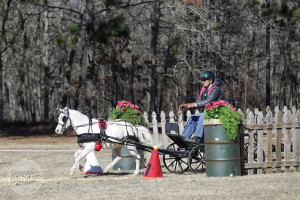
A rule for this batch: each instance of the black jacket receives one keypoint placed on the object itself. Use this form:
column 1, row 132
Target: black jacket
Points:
column 215, row 95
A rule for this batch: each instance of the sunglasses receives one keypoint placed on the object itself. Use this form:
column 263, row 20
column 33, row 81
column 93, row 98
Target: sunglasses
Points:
column 204, row 79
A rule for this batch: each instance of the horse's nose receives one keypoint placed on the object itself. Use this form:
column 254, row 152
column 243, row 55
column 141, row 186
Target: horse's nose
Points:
column 57, row 130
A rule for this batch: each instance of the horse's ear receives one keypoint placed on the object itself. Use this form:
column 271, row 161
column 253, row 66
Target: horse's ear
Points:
column 67, row 111
column 61, row 110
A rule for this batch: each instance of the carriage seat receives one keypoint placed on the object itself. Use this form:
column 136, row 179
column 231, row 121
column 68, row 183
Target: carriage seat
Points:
column 172, row 126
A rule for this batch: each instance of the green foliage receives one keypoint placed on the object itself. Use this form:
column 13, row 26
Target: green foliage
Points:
column 131, row 116
column 296, row 15
column 175, row 48
column 73, row 41
column 231, row 120
column 253, row 5
column 30, row 1
column 74, row 29
column 109, row 3
column 7, row 34
column 115, row 114
column 103, row 31
column 126, row 111
column 266, row 12
column 15, row 40
column 61, row 40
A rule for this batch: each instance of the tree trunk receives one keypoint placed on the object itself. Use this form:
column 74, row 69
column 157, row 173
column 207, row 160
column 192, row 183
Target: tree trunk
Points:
column 89, row 60
column 4, row 20
column 132, row 79
column 45, row 65
column 1, row 90
column 268, row 56
column 154, row 41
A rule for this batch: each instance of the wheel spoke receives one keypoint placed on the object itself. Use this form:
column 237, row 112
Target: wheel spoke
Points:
column 183, row 165
column 175, row 167
column 196, row 160
column 170, row 158
column 175, row 163
column 171, row 163
column 185, row 162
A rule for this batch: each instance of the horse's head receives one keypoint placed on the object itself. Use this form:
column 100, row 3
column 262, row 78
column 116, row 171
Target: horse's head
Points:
column 63, row 121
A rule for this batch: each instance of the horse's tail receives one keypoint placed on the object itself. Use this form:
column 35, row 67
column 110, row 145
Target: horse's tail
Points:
column 145, row 136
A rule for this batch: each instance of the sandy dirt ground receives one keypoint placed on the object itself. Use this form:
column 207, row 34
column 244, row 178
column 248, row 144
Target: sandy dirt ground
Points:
column 45, row 175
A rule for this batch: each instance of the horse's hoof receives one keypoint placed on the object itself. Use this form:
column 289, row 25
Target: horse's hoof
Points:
column 72, row 172
column 81, row 168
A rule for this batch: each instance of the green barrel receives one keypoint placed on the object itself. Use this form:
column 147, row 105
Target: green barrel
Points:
column 127, row 161
column 222, row 156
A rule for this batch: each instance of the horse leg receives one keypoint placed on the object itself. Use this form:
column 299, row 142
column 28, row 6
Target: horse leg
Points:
column 76, row 154
column 118, row 157
column 80, row 154
column 132, row 150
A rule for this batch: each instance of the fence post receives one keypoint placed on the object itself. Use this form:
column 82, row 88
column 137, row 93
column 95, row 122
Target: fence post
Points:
column 294, row 144
column 155, row 128
column 249, row 122
column 172, row 119
column 297, row 147
column 269, row 118
column 260, row 141
column 180, row 122
column 146, row 117
column 164, row 139
column 278, row 136
column 287, row 138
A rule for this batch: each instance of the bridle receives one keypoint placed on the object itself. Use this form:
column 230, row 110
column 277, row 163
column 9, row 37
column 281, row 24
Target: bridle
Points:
column 65, row 119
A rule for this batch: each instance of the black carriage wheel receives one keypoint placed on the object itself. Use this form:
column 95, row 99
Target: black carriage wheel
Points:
column 196, row 159
column 174, row 163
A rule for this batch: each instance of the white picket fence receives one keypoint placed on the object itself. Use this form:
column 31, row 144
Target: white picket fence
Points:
column 273, row 144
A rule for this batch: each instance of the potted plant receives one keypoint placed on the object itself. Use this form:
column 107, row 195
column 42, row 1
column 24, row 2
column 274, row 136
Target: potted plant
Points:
column 222, row 145
column 127, row 111
column 228, row 117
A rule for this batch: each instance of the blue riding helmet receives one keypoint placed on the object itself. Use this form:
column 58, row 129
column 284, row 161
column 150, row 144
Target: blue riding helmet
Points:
column 208, row 75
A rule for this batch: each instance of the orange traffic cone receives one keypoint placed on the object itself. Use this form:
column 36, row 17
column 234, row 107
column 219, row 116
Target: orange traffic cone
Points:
column 153, row 169
column 92, row 165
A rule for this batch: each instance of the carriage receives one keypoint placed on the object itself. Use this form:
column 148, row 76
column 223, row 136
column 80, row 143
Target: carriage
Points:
column 181, row 155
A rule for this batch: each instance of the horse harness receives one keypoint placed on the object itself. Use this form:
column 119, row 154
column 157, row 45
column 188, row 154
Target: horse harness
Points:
column 102, row 136
column 92, row 137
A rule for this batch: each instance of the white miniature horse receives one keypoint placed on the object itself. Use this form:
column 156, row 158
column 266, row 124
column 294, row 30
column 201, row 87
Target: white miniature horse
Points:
column 119, row 130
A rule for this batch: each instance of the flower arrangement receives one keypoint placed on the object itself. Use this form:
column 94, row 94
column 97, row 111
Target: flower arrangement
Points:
column 129, row 112
column 231, row 120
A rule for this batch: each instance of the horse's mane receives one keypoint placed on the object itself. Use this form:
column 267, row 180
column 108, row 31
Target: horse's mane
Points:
column 79, row 113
